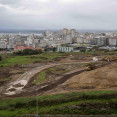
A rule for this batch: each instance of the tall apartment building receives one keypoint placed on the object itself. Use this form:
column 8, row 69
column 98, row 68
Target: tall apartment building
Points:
column 48, row 33
column 113, row 41
column 68, row 38
column 73, row 32
column 2, row 44
column 65, row 31
column 101, row 41
column 11, row 43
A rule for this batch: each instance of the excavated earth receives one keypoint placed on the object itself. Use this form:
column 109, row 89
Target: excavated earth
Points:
column 70, row 76
column 54, row 79
column 103, row 78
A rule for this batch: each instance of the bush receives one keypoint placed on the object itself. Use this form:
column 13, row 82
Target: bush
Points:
column 46, row 49
column 54, row 49
column 83, row 50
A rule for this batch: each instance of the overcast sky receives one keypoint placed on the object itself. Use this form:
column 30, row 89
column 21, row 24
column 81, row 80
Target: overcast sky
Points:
column 57, row 14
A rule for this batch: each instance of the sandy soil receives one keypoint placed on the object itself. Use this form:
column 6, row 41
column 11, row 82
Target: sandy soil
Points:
column 105, row 77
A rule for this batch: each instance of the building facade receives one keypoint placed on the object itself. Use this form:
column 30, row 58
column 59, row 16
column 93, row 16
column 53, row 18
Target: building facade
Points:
column 64, row 49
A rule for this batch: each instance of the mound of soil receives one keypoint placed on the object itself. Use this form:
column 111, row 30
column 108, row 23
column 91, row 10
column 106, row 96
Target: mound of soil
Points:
column 105, row 77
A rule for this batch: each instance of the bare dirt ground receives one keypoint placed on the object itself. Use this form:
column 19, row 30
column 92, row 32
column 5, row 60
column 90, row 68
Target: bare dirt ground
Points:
column 75, row 78
column 104, row 78
column 22, row 86
column 10, row 73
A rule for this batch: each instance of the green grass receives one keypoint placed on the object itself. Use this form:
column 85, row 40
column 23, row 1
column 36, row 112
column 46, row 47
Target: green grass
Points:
column 93, row 53
column 60, row 103
column 41, row 77
column 10, row 60
column 52, row 55
column 4, row 79
column 52, row 69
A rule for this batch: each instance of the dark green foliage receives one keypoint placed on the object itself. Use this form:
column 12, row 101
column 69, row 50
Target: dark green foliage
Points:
column 54, row 49
column 45, row 49
column 0, row 58
column 28, row 52
column 1, row 49
column 83, row 50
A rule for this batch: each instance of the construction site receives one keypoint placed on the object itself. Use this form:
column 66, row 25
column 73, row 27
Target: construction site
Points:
column 68, row 73
column 58, row 83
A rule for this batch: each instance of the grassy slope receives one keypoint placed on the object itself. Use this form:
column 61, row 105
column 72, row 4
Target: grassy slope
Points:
column 60, row 103
column 10, row 60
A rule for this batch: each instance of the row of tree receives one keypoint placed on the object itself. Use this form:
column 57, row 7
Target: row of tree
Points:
column 47, row 49
column 28, row 52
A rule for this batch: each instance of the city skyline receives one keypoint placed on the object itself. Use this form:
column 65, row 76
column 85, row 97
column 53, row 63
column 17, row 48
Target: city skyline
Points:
column 57, row 14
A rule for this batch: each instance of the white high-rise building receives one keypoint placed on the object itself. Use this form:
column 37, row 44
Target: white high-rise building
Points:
column 11, row 43
column 2, row 44
column 113, row 41
column 48, row 33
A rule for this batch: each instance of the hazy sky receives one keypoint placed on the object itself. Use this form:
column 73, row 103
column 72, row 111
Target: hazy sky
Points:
column 57, row 14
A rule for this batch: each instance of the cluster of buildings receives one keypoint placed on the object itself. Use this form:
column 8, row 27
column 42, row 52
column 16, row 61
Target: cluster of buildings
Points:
column 56, row 39
column 72, row 36
column 19, row 41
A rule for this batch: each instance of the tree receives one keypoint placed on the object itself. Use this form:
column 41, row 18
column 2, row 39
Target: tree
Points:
column 28, row 52
column 45, row 49
column 0, row 58
column 83, row 50
column 54, row 49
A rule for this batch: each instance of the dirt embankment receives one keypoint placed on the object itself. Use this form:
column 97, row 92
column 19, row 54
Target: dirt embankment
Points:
column 105, row 77
column 9, row 73
column 4, row 75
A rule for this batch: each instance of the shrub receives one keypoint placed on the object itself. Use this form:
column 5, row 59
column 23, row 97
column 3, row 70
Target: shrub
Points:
column 0, row 58
column 54, row 49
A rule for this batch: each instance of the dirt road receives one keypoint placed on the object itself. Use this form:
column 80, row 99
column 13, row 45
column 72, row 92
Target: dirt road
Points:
column 17, row 86
column 48, row 86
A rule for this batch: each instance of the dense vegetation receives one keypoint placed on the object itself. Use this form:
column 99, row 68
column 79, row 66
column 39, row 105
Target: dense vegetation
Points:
column 28, row 52
column 83, row 103
column 0, row 58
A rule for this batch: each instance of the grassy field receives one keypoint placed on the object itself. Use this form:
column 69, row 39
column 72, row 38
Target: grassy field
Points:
column 10, row 60
column 83, row 103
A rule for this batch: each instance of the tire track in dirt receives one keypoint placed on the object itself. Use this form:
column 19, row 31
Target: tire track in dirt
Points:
column 51, row 85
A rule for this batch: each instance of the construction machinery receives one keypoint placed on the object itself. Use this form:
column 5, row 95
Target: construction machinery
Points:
column 90, row 67
column 110, row 58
